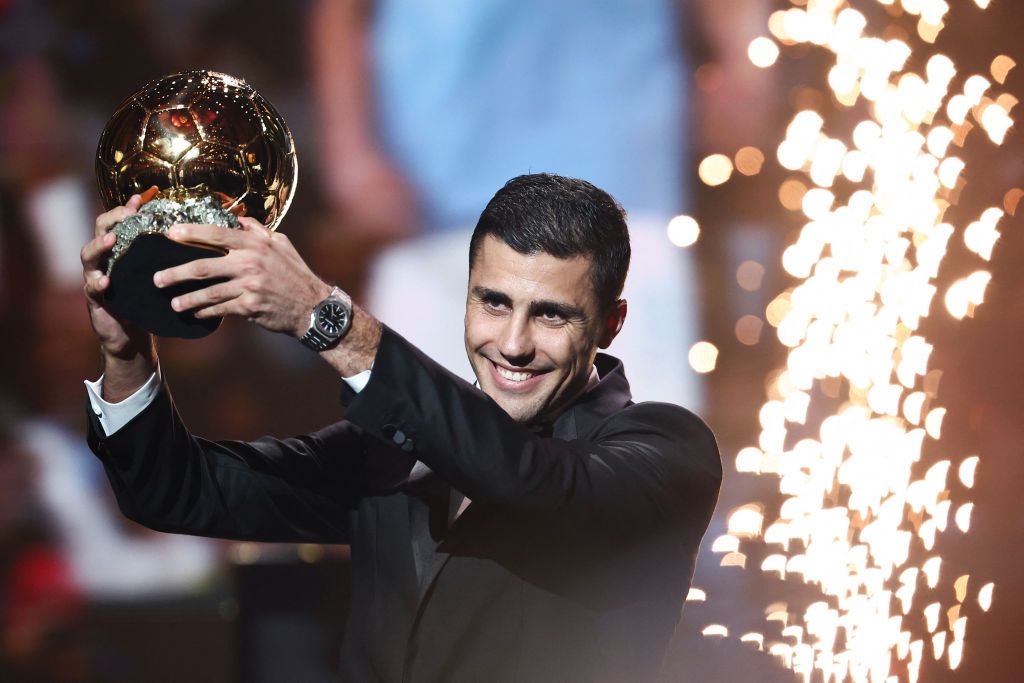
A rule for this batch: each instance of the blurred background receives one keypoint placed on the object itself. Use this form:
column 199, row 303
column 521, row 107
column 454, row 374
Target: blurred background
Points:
column 407, row 116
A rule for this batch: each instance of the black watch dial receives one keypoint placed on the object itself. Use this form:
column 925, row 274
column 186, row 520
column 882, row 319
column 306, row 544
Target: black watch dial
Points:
column 332, row 318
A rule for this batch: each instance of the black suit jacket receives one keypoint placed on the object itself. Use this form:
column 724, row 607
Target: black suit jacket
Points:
column 571, row 564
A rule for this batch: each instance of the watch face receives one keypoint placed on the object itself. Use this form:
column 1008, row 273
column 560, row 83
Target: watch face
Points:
column 331, row 318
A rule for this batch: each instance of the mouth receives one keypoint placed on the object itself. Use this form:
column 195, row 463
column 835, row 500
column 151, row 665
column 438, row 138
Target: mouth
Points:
column 515, row 380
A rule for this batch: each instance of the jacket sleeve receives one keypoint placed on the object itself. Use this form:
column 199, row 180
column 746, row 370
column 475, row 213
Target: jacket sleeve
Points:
column 297, row 490
column 649, row 465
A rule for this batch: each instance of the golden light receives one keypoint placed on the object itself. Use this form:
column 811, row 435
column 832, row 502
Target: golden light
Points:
column 776, row 26
column 715, row 169
column 763, row 52
column 1001, row 67
column 748, row 330
column 749, row 460
column 849, row 420
column 996, row 121
column 696, row 595
column 791, row 194
column 683, row 231
column 985, row 596
column 716, row 630
column 963, row 517
column 756, row 638
column 746, row 521
column 749, row 160
column 967, row 470
column 725, row 544
column 750, row 275
column 981, row 235
column 1010, row 200
column 703, row 357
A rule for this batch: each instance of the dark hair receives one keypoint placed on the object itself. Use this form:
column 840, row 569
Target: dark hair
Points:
column 563, row 217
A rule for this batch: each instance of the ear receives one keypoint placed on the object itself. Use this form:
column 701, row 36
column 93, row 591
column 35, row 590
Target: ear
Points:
column 613, row 323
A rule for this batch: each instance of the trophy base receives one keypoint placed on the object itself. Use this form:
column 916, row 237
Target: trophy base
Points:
column 133, row 297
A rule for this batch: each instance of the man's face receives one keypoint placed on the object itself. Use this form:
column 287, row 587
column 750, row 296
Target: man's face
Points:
column 533, row 327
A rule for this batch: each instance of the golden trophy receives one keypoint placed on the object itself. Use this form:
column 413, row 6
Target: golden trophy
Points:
column 200, row 147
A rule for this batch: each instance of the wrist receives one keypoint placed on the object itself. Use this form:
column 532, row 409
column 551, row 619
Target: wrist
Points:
column 357, row 351
column 124, row 373
column 318, row 291
column 138, row 346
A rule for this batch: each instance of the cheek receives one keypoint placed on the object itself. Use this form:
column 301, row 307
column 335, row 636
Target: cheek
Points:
column 481, row 328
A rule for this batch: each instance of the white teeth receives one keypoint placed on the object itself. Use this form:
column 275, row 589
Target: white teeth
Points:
column 514, row 376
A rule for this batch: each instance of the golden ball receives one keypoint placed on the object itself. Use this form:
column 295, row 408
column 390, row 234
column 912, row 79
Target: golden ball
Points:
column 198, row 133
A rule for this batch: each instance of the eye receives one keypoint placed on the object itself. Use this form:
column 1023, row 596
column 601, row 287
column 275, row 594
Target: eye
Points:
column 495, row 305
column 551, row 317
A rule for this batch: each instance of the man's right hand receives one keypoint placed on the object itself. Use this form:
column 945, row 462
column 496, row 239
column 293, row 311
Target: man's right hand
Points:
column 129, row 356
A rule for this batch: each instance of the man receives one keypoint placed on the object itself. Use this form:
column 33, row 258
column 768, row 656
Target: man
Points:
column 541, row 527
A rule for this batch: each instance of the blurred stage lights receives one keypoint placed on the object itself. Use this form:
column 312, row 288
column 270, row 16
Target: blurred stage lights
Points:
column 862, row 512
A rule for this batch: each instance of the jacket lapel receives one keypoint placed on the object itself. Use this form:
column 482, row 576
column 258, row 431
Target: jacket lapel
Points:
column 433, row 545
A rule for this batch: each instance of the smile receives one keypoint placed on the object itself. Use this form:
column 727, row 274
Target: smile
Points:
column 514, row 376
column 517, row 381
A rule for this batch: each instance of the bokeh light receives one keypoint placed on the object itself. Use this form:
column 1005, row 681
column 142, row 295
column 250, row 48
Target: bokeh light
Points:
column 715, row 169
column 683, row 231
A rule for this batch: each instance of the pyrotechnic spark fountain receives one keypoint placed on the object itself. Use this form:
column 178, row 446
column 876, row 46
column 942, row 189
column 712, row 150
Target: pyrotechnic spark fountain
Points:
column 861, row 510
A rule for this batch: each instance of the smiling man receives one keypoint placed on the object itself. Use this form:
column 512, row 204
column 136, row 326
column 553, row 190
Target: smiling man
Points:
column 538, row 527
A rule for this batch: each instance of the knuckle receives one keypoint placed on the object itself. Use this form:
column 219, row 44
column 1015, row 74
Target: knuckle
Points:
column 251, row 268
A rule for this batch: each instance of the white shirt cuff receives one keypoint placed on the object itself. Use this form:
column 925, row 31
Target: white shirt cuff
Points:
column 358, row 382
column 113, row 416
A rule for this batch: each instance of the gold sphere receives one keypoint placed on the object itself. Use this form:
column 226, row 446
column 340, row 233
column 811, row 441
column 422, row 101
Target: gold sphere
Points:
column 198, row 133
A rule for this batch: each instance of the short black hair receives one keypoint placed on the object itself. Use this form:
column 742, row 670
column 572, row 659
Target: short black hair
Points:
column 563, row 217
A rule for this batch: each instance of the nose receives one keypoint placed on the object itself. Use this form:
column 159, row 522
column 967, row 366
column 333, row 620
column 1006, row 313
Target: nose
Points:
column 516, row 342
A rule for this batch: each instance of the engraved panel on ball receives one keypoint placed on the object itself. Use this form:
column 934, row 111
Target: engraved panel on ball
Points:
column 121, row 140
column 265, row 173
column 140, row 172
column 170, row 134
column 227, row 117
column 211, row 167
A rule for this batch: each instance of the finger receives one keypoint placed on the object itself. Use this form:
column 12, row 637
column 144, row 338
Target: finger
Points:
column 222, row 310
column 145, row 196
column 254, row 226
column 242, row 306
column 208, row 296
column 199, row 269
column 106, row 221
column 210, row 235
column 93, row 252
column 96, row 283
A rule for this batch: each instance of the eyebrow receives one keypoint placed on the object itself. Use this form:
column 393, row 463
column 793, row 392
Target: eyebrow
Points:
column 564, row 310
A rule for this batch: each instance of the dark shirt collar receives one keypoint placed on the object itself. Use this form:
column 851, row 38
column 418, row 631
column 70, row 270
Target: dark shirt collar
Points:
column 609, row 396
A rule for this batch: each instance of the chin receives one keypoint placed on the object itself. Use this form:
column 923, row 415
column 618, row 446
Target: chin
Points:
column 521, row 414
column 520, row 411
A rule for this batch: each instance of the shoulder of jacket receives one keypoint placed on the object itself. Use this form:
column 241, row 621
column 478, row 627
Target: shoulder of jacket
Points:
column 667, row 414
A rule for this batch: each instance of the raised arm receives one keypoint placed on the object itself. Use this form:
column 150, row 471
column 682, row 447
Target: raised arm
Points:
column 128, row 352
column 299, row 489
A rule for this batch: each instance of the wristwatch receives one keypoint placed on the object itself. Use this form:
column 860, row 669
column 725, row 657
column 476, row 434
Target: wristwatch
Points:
column 329, row 322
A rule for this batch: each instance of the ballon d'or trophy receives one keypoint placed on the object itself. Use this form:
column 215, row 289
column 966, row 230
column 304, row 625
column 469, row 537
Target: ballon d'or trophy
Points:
column 200, row 147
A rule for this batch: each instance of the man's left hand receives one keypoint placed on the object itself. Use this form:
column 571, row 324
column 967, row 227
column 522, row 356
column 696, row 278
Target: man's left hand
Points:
column 266, row 281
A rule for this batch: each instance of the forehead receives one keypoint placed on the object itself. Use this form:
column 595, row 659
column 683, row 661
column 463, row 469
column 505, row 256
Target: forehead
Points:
column 531, row 276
